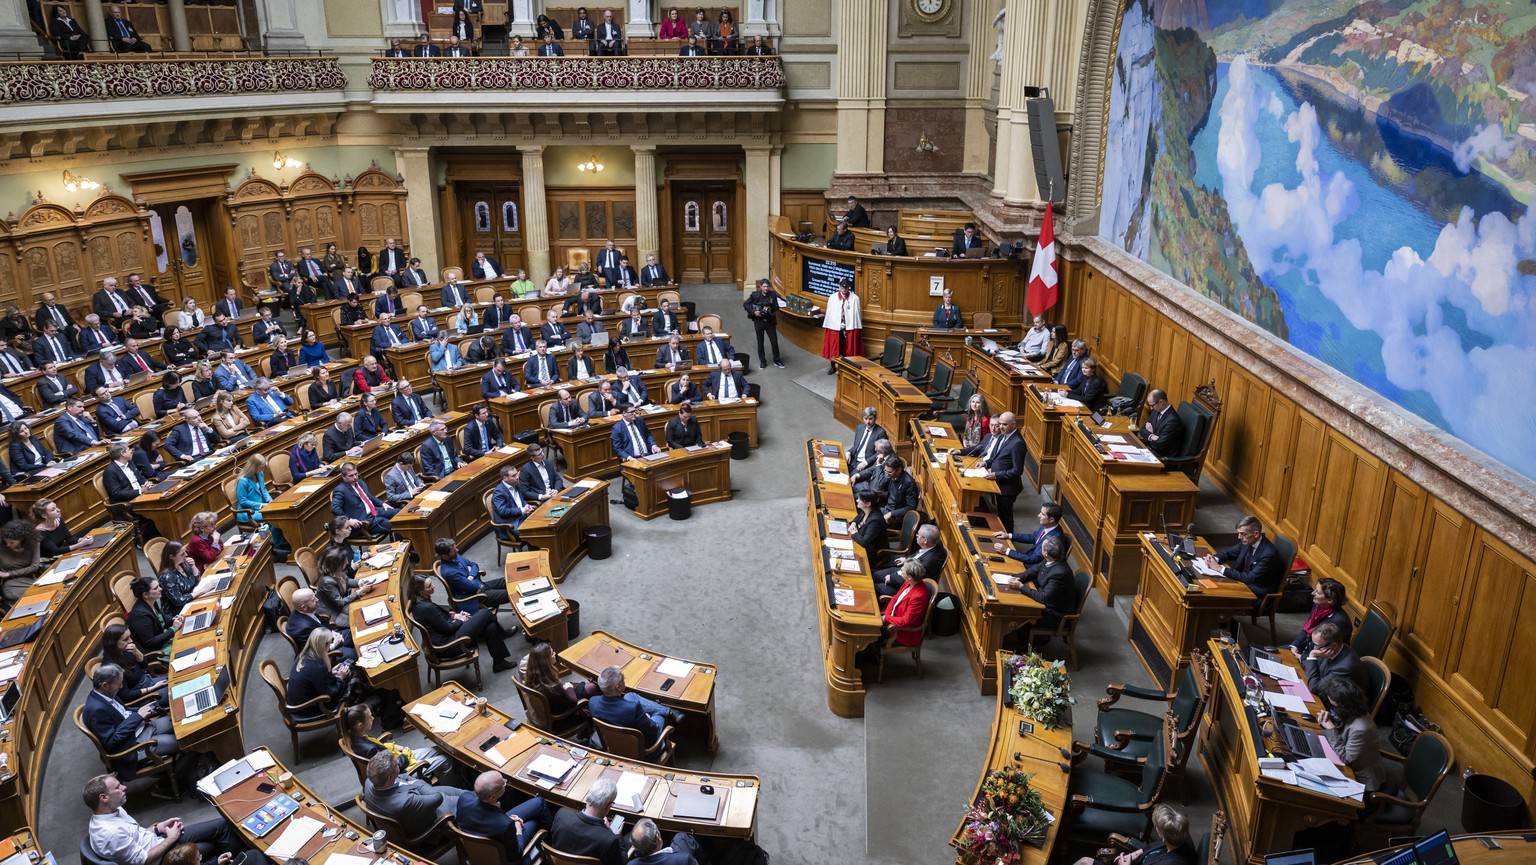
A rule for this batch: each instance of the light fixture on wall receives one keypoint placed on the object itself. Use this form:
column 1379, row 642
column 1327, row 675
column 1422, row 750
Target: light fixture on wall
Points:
column 591, row 165
column 279, row 161
column 926, row 144
column 75, row 183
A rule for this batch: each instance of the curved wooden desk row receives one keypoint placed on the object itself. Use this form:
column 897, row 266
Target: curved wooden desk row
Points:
column 1043, row 425
column 21, row 841
column 559, row 525
column 895, row 291
column 703, row 470
column 989, row 611
column 1171, row 616
column 847, row 609
column 77, row 602
column 862, row 383
column 379, row 613
column 517, row 745
column 589, row 448
column 1032, row 752
column 687, row 686
column 523, row 412
column 451, row 506
column 228, row 644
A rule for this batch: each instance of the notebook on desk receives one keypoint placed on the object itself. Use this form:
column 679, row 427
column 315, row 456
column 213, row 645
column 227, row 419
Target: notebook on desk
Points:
column 697, row 806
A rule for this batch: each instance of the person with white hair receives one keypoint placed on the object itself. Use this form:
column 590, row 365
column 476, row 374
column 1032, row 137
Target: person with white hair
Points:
column 588, row 832
column 621, row 707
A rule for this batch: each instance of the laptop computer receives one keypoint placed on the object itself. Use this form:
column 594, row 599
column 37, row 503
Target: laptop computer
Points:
column 682, row 366
column 21, row 611
column 877, row 249
column 227, row 779
column 202, row 700
column 475, row 329
column 1301, row 742
column 1437, row 849
column 8, row 701
column 1294, row 857
column 976, row 252
column 697, row 806
column 392, row 651
column 17, row 636
column 373, row 444
column 199, row 621
column 1406, row 857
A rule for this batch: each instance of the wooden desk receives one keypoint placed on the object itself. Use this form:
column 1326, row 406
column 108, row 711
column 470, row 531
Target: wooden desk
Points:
column 589, row 449
column 1003, row 381
column 527, row 574
column 738, row 812
column 705, row 473
column 851, row 623
column 862, row 383
column 235, row 639
column 172, row 503
column 319, row 316
column 22, row 841
column 990, row 611
column 450, row 507
column 953, row 340
column 1107, row 503
column 245, row 798
column 933, row 440
column 1514, row 847
column 1041, row 425
column 1170, row 618
column 389, row 567
column 79, row 607
column 1040, row 749
column 1263, row 813
column 522, row 412
column 564, row 534
column 694, row 695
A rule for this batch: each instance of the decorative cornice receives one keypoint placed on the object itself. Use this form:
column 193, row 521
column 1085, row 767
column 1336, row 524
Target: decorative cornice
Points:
column 576, row 73
column 158, row 79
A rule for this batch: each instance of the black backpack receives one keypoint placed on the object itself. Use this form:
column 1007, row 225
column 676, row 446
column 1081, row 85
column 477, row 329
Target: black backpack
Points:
column 272, row 609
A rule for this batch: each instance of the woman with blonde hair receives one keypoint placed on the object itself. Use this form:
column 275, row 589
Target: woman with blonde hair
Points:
column 251, row 493
column 190, row 317
column 558, row 285
column 314, row 676
column 466, row 318
column 228, row 421
column 204, row 543
column 203, row 384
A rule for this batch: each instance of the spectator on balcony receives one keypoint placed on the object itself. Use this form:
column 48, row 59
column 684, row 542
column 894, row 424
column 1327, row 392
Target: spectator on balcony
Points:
column 68, row 33
column 759, row 48
column 547, row 26
column 425, row 48
column 456, row 48
column 474, row 6
column 463, row 27
column 702, row 28
column 550, row 48
column 125, row 39
column 518, row 49
column 692, row 48
column 730, row 36
column 395, row 50
column 609, row 38
column 674, row 27
column 583, row 27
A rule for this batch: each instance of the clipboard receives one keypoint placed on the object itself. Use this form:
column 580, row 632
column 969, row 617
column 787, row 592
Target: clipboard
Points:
column 523, row 774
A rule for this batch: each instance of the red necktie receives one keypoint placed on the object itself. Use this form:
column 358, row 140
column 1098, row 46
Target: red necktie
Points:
column 142, row 365
column 366, row 503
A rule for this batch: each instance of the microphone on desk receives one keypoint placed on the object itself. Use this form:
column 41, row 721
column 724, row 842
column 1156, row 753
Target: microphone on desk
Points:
column 1022, row 756
column 1065, row 754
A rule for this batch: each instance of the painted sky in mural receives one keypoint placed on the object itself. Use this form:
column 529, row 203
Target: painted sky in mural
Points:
column 1352, row 177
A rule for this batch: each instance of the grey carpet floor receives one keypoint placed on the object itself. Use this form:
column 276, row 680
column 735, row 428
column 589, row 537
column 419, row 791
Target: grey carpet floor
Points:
column 729, row 587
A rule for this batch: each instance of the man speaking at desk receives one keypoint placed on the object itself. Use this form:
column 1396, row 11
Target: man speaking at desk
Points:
column 630, row 437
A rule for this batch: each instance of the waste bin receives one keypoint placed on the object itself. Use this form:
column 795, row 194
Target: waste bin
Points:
column 599, row 542
column 572, row 620
column 1490, row 804
column 945, row 620
column 679, row 504
column 740, row 444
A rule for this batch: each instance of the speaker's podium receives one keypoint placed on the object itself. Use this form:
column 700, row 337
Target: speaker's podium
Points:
column 704, row 471
column 1176, row 608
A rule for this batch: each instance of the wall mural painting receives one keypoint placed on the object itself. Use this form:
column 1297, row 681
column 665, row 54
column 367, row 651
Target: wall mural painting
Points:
column 1352, row 177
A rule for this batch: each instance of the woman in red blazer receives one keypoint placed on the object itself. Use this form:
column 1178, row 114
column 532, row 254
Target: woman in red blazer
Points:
column 910, row 605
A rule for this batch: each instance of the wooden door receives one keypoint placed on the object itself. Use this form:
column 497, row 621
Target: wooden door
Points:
column 1436, row 593
column 183, row 251
column 705, row 214
column 491, row 220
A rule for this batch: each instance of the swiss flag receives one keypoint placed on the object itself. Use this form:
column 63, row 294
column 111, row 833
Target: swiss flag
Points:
column 1042, row 294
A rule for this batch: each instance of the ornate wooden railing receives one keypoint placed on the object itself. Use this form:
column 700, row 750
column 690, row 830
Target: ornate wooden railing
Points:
column 156, row 79
column 576, row 73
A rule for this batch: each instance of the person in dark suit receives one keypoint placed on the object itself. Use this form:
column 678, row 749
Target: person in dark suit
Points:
column 96, row 336
column 1027, row 546
column 1071, row 372
column 541, row 368
column 69, row 35
column 443, row 627
column 281, row 272
column 710, row 351
column 509, row 507
column 103, row 373
column 1002, row 453
column 305, row 618
column 861, row 453
column 28, row 453
column 1163, row 432
column 517, row 338
column 621, row 707
column 109, row 304
column 550, row 48
column 148, row 461
column 74, row 431
column 12, row 360
column 873, row 477
column 608, row 259
column 389, row 302
column 1332, row 658
column 193, row 439
column 482, row 434
column 456, row 47
column 53, row 389
column 566, row 413
column 485, row 267
column 408, row 407
column 51, row 346
column 230, row 303
column 894, row 245
column 115, row 414
column 586, row 832
column 120, row 478
column 1254, row 559
column 608, row 37
column 635, row 327
column 324, row 389
column 630, row 438
column 664, row 320
column 406, row 798
column 340, row 440
column 692, row 48
column 856, row 216
column 413, row 276
column 221, row 336
column 868, row 527
column 439, row 454
column 392, row 259
column 395, row 49
column 539, row 479
column 266, row 327
column 481, row 812
column 497, row 314
column 967, row 238
column 118, row 728
column 947, row 314
column 684, row 390
column 465, row 579
column 683, row 431
column 554, row 331
column 725, row 383
column 352, row 499
column 120, row 31
column 646, row 843
column 841, row 238
column 930, row 554
column 901, row 492
column 497, row 381
column 603, row 402
column 11, row 407
column 424, row 48
column 653, row 273
column 134, row 361
column 1052, row 584
column 1090, row 389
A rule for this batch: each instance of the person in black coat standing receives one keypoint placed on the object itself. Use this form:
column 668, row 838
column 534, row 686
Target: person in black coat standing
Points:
column 1052, row 585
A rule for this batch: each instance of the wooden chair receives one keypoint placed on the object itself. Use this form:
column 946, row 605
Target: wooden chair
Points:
column 505, row 533
column 981, row 320
column 280, row 467
column 671, row 297
column 573, row 723
column 630, row 743
column 892, row 647
column 485, row 294
column 939, row 384
column 145, row 402
column 456, row 600
column 1129, row 733
column 710, row 320
column 442, row 658
column 1066, row 629
column 380, row 284
column 906, row 540
column 148, row 764
column 1269, row 605
column 627, row 298
column 431, row 843
column 919, row 363
column 451, row 273
column 481, row 850
column 282, row 628
column 358, row 761
column 1128, row 397
column 1373, row 634
column 954, row 412
column 245, row 518
column 1207, row 849
column 1378, row 677
column 287, row 584
column 120, row 587
column 120, row 512
column 409, row 300
column 330, row 713
column 154, row 549
column 555, row 856
column 531, row 315
column 1424, row 769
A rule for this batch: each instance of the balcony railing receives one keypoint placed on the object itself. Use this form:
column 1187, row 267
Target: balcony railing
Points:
column 576, row 73
column 157, row 79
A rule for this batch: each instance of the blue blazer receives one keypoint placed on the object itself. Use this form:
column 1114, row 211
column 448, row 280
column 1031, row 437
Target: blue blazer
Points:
column 477, row 445
column 507, row 505
column 72, row 434
column 432, row 457
column 261, row 411
column 713, row 383
column 263, row 331
column 490, row 387
column 621, row 439
column 445, row 357
column 1034, row 556
column 113, row 730
column 22, row 461
column 409, row 410
column 95, row 377
column 463, row 578
column 386, row 303
column 710, row 355
column 381, row 339
column 1071, row 372
column 116, row 422
column 1008, row 465
column 423, row 328
column 625, row 713
column 623, row 395
column 531, row 483
column 229, row 381
column 538, row 368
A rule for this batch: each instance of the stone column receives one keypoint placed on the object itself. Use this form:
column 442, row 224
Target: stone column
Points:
column 1014, row 175
column 978, row 84
column 638, row 24
column 762, row 19
column 535, row 213
column 647, row 224
column 283, row 32
column 95, row 25
column 16, row 34
column 522, row 19
column 176, row 11
column 760, row 203
column 415, row 165
column 861, row 29
column 402, row 19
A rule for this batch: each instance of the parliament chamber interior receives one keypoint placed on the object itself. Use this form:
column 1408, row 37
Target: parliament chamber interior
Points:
column 1098, row 426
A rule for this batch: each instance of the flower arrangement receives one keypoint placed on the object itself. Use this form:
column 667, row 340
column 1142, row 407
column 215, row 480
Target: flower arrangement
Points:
column 1041, row 689
column 1007, row 815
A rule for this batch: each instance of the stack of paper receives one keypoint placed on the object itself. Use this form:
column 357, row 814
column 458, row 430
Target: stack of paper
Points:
column 435, row 496
column 1205, row 570
column 298, row 833
column 974, row 472
column 445, row 717
column 1319, row 773
column 840, row 544
column 1110, row 439
column 1286, row 702
column 379, row 560
column 376, row 612
column 842, row 597
column 187, row 662
column 587, row 483
column 834, row 477
column 537, row 608
column 631, row 787
column 1276, row 670
column 675, row 668
column 832, row 463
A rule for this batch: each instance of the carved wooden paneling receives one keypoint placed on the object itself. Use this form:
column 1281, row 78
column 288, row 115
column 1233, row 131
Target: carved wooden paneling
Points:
column 378, row 199
column 1431, row 615
column 1348, row 497
column 1397, row 550
column 68, row 252
column 1496, row 607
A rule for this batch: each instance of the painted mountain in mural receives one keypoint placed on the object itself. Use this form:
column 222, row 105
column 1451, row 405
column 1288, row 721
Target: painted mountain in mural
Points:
column 1353, row 177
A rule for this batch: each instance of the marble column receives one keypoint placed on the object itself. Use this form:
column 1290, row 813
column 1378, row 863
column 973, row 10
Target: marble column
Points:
column 95, row 25
column 1014, row 175
column 760, row 203
column 16, row 33
column 176, row 11
column 402, row 19
column 282, row 32
column 638, row 24
column 978, row 84
column 522, row 19
column 762, row 19
column 861, row 28
column 535, row 213
column 647, row 215
column 415, row 165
